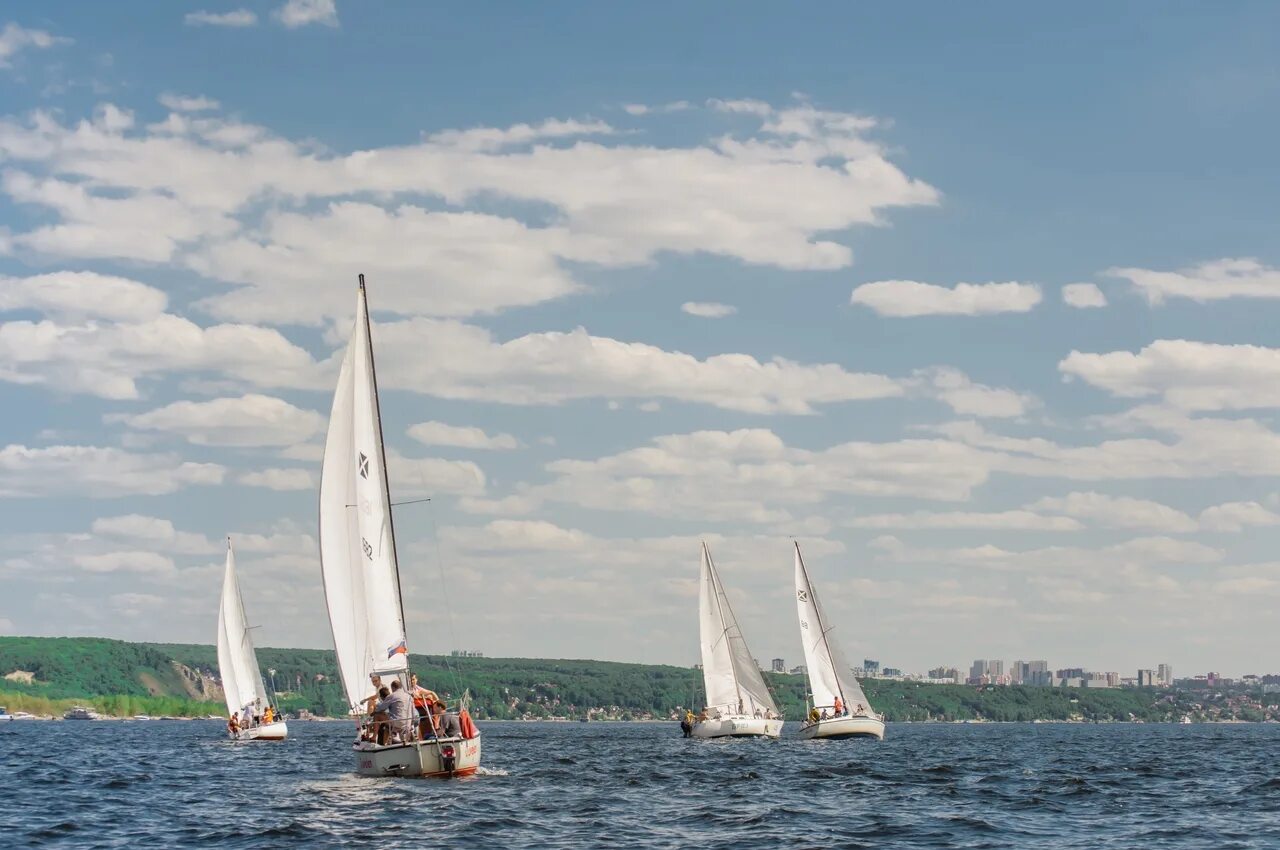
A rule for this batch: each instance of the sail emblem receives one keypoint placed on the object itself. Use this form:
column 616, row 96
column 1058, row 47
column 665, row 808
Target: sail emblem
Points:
column 803, row 595
column 364, row 466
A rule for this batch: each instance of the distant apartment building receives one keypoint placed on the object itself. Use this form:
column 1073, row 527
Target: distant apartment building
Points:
column 1146, row 678
column 799, row 670
column 978, row 670
column 1164, row 674
column 891, row 673
column 946, row 674
column 870, row 667
column 1031, row 673
column 779, row 666
column 987, row 672
column 466, row 653
column 1071, row 673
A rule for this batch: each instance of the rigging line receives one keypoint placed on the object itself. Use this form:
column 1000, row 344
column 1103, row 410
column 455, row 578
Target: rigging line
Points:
column 448, row 607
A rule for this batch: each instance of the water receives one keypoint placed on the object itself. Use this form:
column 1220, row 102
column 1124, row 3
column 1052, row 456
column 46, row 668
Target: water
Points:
column 174, row 783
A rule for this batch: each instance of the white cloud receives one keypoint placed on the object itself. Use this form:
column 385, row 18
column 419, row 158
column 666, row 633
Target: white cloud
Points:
column 1211, row 281
column 430, row 477
column 643, row 109
column 967, row 398
column 708, row 309
column 181, row 103
column 1117, row 512
column 1137, row 553
column 1236, row 516
column 79, row 295
column 236, row 18
column 107, row 359
column 128, row 562
column 276, row 478
column 1185, row 374
column 97, row 472
column 250, row 420
column 300, row 13
column 466, row 437
column 1018, row 520
column 907, row 298
column 14, row 39
column 192, row 189
column 459, row 361
column 154, row 532
column 1083, row 295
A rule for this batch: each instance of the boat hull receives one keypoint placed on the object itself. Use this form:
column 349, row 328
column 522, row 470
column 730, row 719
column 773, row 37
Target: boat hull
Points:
column 738, row 727
column 277, row 731
column 838, row 728
column 419, row 758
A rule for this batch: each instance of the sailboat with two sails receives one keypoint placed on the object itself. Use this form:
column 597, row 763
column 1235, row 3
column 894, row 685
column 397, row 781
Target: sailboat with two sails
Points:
column 738, row 702
column 362, row 575
column 242, row 686
column 840, row 708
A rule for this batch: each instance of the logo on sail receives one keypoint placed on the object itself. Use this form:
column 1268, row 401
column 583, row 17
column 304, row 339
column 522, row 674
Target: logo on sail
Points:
column 802, row 595
column 364, row 466
column 399, row 649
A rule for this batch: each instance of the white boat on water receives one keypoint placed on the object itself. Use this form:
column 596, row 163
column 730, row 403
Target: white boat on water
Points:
column 79, row 712
column 242, row 685
column 738, row 703
column 5, row 716
column 361, row 571
column 831, row 680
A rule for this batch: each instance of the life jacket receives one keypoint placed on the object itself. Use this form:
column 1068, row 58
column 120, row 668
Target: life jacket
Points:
column 469, row 729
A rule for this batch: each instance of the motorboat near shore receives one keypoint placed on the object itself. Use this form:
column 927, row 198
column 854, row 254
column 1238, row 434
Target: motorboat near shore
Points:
column 79, row 712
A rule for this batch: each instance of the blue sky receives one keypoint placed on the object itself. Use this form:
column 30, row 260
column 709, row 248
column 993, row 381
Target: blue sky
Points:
column 987, row 320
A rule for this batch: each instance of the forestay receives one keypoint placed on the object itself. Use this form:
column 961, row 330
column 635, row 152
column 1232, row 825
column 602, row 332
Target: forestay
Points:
column 729, row 671
column 237, row 662
column 829, row 673
column 357, row 549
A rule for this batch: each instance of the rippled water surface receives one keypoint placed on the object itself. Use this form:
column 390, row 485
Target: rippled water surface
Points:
column 174, row 783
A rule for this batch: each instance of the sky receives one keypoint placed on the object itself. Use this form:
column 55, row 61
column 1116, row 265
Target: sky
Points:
column 978, row 306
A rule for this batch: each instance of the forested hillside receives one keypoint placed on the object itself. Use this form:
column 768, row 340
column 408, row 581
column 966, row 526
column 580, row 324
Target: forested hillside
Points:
column 181, row 679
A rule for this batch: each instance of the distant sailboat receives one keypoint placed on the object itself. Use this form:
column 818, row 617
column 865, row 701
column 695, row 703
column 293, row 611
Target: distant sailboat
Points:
column 238, row 665
column 738, row 703
column 361, row 572
column 831, row 680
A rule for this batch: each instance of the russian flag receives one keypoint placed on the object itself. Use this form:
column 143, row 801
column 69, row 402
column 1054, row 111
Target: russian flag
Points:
column 398, row 649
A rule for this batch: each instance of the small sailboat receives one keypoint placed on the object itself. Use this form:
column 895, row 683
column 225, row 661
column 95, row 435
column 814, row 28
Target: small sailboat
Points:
column 362, row 574
column 842, row 707
column 738, row 703
column 242, row 685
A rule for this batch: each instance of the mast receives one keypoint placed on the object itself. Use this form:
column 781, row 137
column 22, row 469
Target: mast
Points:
column 382, row 450
column 724, row 631
column 822, row 628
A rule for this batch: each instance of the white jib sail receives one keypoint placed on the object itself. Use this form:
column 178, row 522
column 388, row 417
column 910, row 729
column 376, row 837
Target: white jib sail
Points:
column 237, row 662
column 829, row 673
column 729, row 671
column 357, row 552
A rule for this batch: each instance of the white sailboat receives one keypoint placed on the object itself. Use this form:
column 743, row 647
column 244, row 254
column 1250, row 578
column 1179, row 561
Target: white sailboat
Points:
column 843, row 709
column 238, row 665
column 361, row 571
column 738, row 703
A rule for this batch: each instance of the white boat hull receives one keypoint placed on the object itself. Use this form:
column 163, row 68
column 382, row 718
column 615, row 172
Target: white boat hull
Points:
column 419, row 758
column 277, row 731
column 845, row 727
column 738, row 727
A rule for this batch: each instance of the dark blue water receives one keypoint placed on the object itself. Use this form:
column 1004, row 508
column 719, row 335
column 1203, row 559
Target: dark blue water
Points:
column 170, row 784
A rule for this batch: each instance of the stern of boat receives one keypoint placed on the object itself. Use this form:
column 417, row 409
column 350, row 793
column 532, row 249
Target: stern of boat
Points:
column 837, row 728
column 445, row 758
column 738, row 727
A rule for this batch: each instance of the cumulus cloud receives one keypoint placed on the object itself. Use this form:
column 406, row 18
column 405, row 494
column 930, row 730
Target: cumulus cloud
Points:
column 1236, row 516
column 14, row 39
column 191, row 191
column 1019, row 520
column 1212, row 281
column 1188, row 375
column 1117, row 512
column 82, row 295
column 97, row 472
column 181, row 103
column 466, row 437
column 908, row 298
column 1083, row 295
column 967, row 398
column 708, row 309
column 155, row 533
column 276, row 478
column 129, row 562
column 235, row 18
column 300, row 13
column 455, row 360
column 430, row 477
column 250, row 420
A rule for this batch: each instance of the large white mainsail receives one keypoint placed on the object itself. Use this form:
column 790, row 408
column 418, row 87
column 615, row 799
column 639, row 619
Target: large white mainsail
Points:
column 829, row 673
column 357, row 542
column 237, row 662
column 729, row 671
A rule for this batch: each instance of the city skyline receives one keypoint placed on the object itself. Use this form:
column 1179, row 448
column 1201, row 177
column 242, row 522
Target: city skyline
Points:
column 996, row 346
